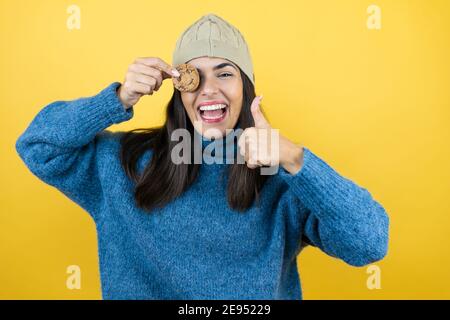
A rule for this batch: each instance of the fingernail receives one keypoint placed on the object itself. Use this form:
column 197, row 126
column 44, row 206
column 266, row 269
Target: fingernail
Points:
column 175, row 73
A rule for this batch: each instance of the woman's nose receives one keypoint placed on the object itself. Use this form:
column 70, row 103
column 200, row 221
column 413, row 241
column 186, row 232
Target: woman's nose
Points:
column 208, row 86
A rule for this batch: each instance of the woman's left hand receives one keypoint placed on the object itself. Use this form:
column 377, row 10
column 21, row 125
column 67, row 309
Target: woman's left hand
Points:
column 256, row 146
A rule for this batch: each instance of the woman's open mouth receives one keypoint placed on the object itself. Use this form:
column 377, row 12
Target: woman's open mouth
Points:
column 213, row 113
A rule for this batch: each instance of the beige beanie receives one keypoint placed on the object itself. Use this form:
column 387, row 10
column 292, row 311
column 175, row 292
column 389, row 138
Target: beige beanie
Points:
column 214, row 37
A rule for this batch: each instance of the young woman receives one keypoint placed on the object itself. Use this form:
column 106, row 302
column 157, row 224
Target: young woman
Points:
column 188, row 230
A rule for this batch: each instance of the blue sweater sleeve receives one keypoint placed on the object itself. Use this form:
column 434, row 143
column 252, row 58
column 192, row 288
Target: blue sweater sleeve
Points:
column 341, row 218
column 60, row 146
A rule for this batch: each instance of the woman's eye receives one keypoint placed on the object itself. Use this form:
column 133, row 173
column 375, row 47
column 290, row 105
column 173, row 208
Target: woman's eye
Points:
column 228, row 74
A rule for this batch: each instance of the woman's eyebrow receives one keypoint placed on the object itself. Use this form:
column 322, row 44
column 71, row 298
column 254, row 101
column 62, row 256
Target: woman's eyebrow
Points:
column 223, row 65
column 219, row 66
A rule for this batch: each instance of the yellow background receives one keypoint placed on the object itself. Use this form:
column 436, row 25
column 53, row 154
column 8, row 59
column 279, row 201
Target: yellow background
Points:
column 374, row 104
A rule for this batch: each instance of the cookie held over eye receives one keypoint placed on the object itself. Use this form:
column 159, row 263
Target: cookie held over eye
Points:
column 188, row 80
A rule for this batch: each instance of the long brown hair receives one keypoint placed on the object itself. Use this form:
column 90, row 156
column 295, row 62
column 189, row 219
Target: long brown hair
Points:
column 162, row 180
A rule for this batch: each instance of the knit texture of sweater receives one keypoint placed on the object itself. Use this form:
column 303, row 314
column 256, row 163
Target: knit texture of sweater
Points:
column 197, row 247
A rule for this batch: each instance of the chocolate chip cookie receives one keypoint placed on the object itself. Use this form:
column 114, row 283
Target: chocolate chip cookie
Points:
column 189, row 78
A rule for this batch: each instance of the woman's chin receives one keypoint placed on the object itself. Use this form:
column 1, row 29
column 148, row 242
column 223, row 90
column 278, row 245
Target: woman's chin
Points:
column 213, row 132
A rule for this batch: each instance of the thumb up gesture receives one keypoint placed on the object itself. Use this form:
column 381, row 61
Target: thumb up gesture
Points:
column 262, row 145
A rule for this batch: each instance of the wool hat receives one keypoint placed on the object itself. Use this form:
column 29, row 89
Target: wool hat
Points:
column 212, row 36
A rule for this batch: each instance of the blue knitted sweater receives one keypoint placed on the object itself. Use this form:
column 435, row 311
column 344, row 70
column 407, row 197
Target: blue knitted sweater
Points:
column 197, row 247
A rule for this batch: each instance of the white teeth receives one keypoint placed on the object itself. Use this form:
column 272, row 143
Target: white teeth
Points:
column 211, row 118
column 213, row 107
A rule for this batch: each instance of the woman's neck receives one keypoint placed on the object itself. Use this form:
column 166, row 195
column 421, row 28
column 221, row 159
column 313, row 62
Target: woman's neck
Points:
column 221, row 151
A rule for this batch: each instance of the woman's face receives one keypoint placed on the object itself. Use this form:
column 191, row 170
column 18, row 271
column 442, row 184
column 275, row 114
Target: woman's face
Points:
column 217, row 102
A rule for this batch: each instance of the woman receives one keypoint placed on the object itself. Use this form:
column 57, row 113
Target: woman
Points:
column 189, row 230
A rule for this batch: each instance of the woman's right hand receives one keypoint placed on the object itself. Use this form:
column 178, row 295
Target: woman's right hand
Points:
column 144, row 76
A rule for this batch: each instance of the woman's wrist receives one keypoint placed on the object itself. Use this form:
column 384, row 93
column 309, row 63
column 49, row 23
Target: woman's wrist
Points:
column 118, row 90
column 291, row 156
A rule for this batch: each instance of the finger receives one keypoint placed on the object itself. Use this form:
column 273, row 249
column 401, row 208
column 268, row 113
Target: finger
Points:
column 258, row 117
column 141, row 88
column 250, row 155
column 160, row 65
column 252, row 166
column 251, row 162
column 242, row 141
column 140, row 78
column 241, row 146
column 253, row 154
column 148, row 71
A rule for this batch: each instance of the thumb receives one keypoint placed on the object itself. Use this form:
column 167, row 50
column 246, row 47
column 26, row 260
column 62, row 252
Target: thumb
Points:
column 258, row 117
